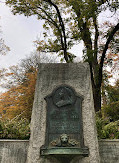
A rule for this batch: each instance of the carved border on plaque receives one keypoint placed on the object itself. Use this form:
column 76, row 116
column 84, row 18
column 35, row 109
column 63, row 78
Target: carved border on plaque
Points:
column 64, row 115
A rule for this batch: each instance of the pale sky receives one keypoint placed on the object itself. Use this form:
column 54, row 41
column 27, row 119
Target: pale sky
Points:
column 19, row 32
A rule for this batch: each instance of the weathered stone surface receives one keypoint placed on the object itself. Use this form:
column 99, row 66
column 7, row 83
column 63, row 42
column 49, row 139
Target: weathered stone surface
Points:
column 51, row 76
column 109, row 151
column 12, row 151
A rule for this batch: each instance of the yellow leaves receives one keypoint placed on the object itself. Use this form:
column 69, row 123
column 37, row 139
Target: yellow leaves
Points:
column 20, row 98
column 32, row 2
column 9, row 74
column 41, row 45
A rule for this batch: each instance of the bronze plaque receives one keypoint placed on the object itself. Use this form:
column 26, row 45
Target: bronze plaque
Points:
column 64, row 118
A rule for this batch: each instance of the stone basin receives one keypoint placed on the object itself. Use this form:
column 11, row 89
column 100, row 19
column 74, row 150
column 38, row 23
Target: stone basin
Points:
column 64, row 153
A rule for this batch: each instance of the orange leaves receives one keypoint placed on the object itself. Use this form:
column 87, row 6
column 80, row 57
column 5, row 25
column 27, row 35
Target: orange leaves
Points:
column 19, row 99
column 115, row 62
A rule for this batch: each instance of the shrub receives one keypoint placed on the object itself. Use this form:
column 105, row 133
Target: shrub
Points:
column 100, row 123
column 107, row 129
column 112, row 130
column 16, row 129
column 112, row 111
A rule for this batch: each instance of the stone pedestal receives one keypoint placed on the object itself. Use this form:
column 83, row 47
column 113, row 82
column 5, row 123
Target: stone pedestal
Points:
column 51, row 76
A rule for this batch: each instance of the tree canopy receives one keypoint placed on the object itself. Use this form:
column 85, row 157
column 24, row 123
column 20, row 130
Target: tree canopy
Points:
column 18, row 100
column 69, row 22
column 20, row 84
column 19, row 81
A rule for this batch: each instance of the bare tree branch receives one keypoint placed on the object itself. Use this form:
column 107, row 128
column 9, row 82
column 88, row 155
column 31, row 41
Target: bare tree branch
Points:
column 115, row 29
column 96, row 39
column 63, row 30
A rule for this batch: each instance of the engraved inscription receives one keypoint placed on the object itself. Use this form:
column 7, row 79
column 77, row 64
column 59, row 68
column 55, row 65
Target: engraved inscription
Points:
column 63, row 114
column 60, row 127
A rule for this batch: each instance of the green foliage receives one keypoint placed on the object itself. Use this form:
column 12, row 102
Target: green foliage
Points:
column 107, row 119
column 113, row 92
column 107, row 129
column 112, row 111
column 100, row 123
column 111, row 107
column 14, row 129
column 111, row 130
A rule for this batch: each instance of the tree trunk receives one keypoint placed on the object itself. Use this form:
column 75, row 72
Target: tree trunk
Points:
column 96, row 87
column 97, row 98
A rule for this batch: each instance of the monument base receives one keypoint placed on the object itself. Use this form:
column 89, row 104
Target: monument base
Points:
column 51, row 77
column 64, row 154
column 61, row 151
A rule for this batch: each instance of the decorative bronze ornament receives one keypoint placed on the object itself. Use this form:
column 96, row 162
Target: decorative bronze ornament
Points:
column 65, row 141
column 63, row 96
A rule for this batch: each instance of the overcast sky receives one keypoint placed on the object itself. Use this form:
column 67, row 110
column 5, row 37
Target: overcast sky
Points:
column 19, row 32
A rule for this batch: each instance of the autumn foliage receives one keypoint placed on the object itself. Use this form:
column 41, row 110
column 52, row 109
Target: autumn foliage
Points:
column 18, row 100
column 67, row 23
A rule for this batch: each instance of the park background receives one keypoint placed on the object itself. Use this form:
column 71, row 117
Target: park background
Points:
column 18, row 70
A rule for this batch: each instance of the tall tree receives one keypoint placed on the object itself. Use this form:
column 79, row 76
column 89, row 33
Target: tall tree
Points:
column 19, row 82
column 18, row 100
column 72, row 21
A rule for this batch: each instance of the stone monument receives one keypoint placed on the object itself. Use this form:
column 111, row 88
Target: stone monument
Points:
column 63, row 126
